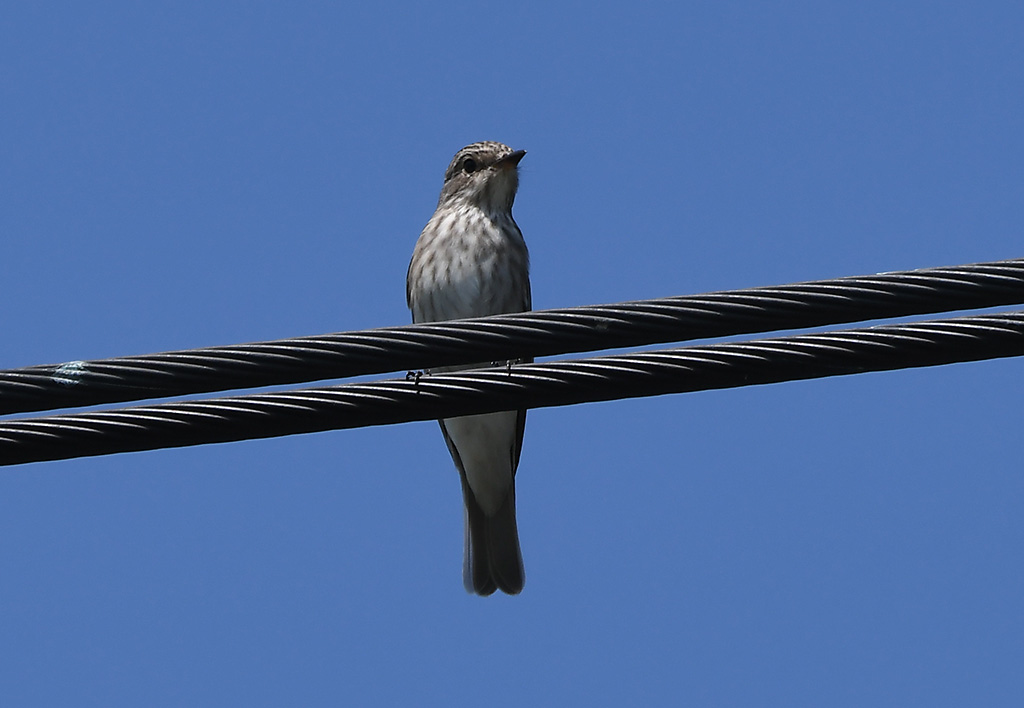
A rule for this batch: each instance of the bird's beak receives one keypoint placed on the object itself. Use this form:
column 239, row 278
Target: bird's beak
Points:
column 511, row 160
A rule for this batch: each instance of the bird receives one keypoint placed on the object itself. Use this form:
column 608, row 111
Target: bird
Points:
column 470, row 260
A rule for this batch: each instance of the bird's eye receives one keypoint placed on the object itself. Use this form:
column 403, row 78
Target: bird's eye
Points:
column 469, row 166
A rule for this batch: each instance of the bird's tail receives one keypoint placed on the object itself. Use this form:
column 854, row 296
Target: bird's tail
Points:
column 493, row 560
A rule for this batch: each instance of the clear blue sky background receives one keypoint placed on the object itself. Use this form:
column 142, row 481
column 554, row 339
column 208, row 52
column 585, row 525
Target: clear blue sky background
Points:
column 182, row 175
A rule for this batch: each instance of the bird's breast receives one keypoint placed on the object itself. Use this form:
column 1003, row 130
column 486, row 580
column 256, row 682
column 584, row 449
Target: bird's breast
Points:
column 468, row 264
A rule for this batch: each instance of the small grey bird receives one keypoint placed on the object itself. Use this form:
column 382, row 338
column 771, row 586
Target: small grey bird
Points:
column 471, row 261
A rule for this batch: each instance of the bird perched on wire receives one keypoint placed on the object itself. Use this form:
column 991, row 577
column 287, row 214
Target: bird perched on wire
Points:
column 471, row 261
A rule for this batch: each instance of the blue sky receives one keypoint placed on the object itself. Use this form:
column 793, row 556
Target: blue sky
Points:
column 177, row 176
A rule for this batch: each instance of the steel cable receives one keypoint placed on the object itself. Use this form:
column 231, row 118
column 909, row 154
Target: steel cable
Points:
column 558, row 383
column 534, row 334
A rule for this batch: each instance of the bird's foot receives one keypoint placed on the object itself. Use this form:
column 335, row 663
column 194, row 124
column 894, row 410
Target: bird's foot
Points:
column 508, row 364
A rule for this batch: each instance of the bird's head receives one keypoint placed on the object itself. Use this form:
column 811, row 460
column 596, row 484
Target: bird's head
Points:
column 483, row 174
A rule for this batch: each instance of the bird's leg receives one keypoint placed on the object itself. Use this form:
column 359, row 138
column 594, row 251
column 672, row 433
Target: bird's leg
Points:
column 509, row 363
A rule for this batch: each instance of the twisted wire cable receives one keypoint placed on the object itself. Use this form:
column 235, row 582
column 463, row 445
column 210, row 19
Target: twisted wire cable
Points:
column 521, row 386
column 519, row 336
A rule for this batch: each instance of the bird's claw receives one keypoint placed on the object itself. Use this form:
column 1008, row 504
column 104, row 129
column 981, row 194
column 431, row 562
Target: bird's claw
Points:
column 508, row 364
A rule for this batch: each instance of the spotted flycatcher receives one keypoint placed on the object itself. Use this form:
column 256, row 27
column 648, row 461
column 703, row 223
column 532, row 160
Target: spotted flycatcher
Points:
column 471, row 261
